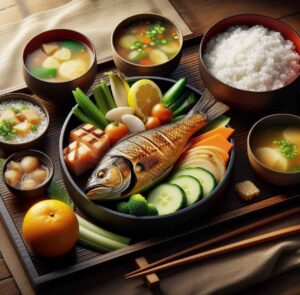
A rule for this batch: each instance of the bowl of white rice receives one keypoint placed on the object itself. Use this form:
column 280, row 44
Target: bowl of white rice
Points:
column 24, row 121
column 251, row 62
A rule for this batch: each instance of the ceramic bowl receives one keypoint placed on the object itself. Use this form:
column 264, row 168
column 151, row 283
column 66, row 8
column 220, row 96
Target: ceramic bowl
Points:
column 60, row 92
column 243, row 100
column 130, row 68
column 104, row 212
column 38, row 191
column 268, row 174
column 13, row 147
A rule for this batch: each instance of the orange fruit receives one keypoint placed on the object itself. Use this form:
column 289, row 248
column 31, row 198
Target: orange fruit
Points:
column 51, row 228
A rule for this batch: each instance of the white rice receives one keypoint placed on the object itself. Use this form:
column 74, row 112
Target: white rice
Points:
column 252, row 58
column 6, row 105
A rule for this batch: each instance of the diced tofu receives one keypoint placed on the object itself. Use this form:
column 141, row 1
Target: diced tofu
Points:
column 9, row 115
column 93, row 137
column 79, row 157
column 63, row 54
column 31, row 116
column 50, row 48
column 23, row 128
column 51, row 63
column 247, row 190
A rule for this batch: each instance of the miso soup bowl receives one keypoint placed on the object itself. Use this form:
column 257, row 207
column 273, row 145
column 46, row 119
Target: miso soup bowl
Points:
column 244, row 100
column 132, row 69
column 268, row 174
column 60, row 92
column 41, row 189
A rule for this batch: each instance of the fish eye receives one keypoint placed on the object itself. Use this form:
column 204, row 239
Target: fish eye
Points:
column 139, row 167
column 101, row 174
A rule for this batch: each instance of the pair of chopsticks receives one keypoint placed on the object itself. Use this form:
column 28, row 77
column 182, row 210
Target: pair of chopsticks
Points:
column 177, row 258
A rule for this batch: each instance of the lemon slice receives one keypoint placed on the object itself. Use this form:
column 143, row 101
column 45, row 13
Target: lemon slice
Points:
column 142, row 96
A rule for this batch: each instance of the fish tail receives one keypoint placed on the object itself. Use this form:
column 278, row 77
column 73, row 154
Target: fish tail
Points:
column 208, row 106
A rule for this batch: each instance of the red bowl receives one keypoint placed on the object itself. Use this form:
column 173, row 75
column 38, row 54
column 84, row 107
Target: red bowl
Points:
column 244, row 100
column 58, row 91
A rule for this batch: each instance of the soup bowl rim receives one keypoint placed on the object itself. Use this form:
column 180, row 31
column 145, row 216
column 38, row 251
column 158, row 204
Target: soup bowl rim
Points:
column 132, row 18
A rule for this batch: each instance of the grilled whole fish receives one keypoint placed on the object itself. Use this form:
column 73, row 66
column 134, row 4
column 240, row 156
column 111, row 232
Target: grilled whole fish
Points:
column 141, row 160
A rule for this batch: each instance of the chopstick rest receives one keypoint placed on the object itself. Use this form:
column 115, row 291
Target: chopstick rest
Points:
column 151, row 280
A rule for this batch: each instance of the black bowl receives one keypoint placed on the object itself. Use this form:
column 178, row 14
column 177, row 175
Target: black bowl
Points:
column 126, row 223
column 41, row 189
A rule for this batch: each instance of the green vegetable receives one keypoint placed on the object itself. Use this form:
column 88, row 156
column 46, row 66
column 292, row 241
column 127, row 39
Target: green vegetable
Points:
column 137, row 205
column 43, row 72
column 176, row 104
column 82, row 117
column 6, row 130
column 287, row 148
column 73, row 45
column 109, row 99
column 119, row 88
column 89, row 108
column 152, row 209
column 20, row 109
column 178, row 118
column 174, row 92
column 89, row 234
column 221, row 121
column 100, row 99
column 34, row 128
column 122, row 207
column 186, row 106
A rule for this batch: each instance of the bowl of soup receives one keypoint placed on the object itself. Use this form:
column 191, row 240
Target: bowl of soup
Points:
column 24, row 121
column 55, row 62
column 273, row 147
column 147, row 44
column 28, row 173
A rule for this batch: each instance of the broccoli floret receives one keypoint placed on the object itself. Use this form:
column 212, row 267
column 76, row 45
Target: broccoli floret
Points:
column 152, row 209
column 137, row 205
column 122, row 207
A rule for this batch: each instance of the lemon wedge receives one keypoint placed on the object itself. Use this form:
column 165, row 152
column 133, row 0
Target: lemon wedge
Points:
column 142, row 96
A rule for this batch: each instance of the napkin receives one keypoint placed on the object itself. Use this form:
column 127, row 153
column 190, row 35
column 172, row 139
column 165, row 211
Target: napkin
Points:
column 95, row 18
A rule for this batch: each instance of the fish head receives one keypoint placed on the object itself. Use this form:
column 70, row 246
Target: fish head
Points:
column 110, row 179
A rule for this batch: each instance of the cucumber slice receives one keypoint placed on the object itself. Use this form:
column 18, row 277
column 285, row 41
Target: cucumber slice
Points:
column 221, row 121
column 73, row 46
column 167, row 198
column 43, row 73
column 206, row 179
column 191, row 186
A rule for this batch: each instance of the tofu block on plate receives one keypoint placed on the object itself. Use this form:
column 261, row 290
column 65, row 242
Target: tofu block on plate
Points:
column 79, row 157
column 92, row 137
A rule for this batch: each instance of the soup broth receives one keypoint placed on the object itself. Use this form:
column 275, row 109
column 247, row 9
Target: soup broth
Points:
column 59, row 61
column 279, row 147
column 148, row 43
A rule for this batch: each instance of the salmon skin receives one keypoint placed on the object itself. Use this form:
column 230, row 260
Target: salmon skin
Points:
column 141, row 160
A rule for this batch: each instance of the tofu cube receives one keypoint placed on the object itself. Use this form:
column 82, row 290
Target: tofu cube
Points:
column 23, row 128
column 31, row 116
column 9, row 115
column 247, row 190
column 50, row 48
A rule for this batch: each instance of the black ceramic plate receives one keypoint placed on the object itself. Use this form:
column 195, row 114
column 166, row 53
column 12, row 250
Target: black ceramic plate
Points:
column 124, row 223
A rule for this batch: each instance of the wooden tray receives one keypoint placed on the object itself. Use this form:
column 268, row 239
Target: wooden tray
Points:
column 42, row 271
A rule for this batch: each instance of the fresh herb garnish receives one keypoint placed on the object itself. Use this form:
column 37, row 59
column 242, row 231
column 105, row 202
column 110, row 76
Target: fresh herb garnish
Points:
column 6, row 129
column 18, row 110
column 287, row 148
column 57, row 192
column 34, row 128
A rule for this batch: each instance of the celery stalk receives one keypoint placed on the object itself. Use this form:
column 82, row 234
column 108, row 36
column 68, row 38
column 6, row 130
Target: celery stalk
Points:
column 98, row 240
column 82, row 117
column 92, row 227
column 109, row 99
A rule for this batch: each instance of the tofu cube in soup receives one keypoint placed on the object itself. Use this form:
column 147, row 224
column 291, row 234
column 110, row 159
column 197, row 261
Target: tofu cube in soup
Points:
column 79, row 157
column 9, row 115
column 50, row 48
column 29, row 164
column 23, row 128
column 31, row 116
column 93, row 137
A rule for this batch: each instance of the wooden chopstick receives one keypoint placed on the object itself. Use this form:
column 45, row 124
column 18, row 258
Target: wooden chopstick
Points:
column 220, row 238
column 291, row 230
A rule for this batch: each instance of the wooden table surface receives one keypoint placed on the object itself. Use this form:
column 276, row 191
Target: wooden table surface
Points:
column 199, row 15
